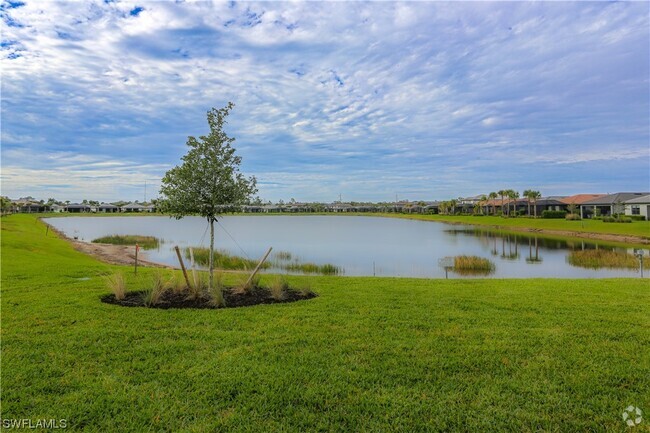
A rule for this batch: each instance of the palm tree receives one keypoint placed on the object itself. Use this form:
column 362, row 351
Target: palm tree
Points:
column 513, row 195
column 453, row 204
column 481, row 203
column 534, row 196
column 502, row 193
column 527, row 195
column 493, row 196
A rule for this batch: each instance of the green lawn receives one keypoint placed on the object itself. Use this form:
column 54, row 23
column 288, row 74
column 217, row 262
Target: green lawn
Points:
column 635, row 228
column 369, row 354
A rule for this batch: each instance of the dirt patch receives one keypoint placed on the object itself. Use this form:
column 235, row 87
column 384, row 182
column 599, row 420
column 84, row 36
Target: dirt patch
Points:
column 115, row 254
column 234, row 299
column 109, row 253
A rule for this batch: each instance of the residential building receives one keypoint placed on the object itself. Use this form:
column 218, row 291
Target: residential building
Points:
column 638, row 206
column 609, row 204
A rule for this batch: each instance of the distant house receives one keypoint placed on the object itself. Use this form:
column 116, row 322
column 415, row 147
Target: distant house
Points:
column 148, row 208
column 78, row 208
column 133, row 207
column 34, row 207
column 107, row 208
column 638, row 206
column 56, row 208
column 608, row 204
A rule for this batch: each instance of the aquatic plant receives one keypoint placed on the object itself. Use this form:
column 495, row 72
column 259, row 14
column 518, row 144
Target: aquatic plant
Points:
column 597, row 259
column 223, row 259
column 473, row 265
column 146, row 242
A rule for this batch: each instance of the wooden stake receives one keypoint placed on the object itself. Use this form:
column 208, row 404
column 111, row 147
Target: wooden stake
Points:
column 47, row 230
column 180, row 259
column 259, row 265
column 136, row 259
column 193, row 266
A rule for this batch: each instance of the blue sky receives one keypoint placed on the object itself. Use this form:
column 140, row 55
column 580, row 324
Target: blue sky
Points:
column 419, row 100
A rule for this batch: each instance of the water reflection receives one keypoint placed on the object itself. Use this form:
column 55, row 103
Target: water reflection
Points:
column 590, row 255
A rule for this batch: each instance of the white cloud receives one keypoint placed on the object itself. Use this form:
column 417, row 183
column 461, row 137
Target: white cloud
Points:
column 412, row 88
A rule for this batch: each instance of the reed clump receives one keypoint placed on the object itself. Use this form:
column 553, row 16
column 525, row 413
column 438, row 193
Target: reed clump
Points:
column 312, row 268
column 597, row 259
column 473, row 265
column 223, row 260
column 146, row 242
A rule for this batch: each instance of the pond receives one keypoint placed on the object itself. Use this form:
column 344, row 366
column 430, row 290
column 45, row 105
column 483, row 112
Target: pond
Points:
column 357, row 245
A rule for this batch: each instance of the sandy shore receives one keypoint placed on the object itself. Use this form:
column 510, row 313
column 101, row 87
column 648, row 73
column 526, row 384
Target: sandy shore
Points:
column 115, row 254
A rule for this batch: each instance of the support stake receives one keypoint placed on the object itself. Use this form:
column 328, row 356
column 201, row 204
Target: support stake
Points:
column 259, row 265
column 137, row 247
column 180, row 260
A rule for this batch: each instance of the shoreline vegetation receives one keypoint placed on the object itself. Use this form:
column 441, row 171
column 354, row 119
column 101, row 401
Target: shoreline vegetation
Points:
column 281, row 260
column 552, row 348
column 146, row 242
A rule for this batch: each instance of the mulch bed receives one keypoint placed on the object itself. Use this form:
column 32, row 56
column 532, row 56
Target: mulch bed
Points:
column 255, row 296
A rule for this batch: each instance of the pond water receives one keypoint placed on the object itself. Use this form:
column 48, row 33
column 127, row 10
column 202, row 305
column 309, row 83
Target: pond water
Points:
column 358, row 245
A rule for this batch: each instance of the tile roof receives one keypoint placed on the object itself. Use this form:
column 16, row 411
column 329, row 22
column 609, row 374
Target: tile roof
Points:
column 643, row 199
column 580, row 198
column 619, row 197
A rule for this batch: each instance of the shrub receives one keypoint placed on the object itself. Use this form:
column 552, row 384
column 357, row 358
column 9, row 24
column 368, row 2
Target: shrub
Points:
column 553, row 214
column 636, row 217
column 572, row 217
column 596, row 259
column 117, row 284
column 617, row 219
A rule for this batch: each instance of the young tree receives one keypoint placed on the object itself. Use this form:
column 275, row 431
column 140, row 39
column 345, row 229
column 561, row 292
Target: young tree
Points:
column 208, row 182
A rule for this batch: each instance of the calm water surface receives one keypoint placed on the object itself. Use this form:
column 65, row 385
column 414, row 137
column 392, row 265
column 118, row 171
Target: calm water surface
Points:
column 362, row 246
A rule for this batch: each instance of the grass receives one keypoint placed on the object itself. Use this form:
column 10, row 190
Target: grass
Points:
column 473, row 265
column 226, row 261
column 311, row 268
column 223, row 260
column 117, row 285
column 146, row 242
column 369, row 354
column 597, row 259
column 283, row 255
column 639, row 229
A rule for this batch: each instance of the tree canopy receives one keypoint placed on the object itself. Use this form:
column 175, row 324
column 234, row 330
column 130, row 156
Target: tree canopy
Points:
column 208, row 182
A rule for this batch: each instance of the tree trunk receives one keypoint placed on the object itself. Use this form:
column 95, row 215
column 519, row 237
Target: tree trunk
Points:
column 211, row 257
column 215, row 291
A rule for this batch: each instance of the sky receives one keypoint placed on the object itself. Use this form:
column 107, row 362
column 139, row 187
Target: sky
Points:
column 364, row 101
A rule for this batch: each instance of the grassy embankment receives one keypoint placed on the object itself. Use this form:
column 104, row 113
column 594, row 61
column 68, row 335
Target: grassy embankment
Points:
column 369, row 354
column 639, row 229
